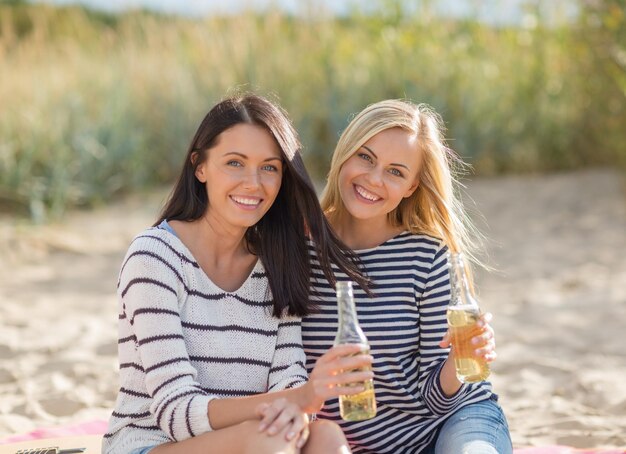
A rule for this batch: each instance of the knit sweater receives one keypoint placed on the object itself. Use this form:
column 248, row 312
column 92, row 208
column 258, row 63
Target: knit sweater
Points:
column 184, row 341
column 404, row 323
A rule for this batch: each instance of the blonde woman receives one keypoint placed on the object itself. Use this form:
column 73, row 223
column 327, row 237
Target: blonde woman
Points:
column 391, row 197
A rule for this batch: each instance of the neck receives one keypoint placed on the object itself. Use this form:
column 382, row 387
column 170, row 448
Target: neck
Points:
column 225, row 241
column 364, row 233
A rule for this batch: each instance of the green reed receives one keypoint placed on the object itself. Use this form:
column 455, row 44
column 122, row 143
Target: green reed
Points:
column 95, row 105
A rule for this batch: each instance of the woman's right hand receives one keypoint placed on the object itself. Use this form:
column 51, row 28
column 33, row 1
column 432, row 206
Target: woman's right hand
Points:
column 282, row 414
column 333, row 373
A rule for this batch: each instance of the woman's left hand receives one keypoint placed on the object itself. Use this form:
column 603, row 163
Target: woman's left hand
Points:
column 282, row 414
column 484, row 341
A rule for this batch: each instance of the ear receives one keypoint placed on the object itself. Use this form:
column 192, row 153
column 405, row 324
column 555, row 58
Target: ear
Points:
column 412, row 189
column 200, row 171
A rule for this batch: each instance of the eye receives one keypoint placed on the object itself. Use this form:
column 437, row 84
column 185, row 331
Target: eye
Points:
column 269, row 168
column 234, row 163
column 365, row 157
column 396, row 172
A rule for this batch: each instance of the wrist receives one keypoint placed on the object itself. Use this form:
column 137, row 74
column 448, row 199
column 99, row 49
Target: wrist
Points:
column 307, row 399
column 302, row 396
column 451, row 354
column 448, row 380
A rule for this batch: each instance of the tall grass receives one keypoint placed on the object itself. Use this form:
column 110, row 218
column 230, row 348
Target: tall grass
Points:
column 93, row 105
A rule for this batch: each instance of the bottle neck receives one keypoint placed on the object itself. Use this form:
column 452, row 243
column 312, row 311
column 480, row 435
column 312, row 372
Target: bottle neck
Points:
column 349, row 331
column 460, row 290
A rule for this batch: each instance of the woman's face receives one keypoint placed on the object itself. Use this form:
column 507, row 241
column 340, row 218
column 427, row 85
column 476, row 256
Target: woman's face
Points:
column 375, row 179
column 242, row 174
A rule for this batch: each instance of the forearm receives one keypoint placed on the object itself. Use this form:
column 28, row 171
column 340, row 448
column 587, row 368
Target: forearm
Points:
column 231, row 411
column 331, row 376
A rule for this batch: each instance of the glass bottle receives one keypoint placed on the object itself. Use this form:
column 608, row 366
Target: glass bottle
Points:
column 359, row 406
column 463, row 314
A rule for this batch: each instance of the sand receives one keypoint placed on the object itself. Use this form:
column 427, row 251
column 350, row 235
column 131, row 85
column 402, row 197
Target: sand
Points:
column 558, row 294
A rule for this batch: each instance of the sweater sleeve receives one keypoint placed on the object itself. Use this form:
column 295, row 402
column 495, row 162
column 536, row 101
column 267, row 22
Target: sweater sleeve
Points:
column 151, row 284
column 433, row 304
column 288, row 368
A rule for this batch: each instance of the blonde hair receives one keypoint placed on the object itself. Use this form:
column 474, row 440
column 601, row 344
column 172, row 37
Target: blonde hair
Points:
column 435, row 207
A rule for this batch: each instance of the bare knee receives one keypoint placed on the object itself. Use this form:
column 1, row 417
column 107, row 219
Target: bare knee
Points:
column 259, row 442
column 243, row 438
column 326, row 437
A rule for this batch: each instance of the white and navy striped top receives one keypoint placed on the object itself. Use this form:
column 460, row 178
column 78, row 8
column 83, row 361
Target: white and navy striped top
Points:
column 404, row 323
column 184, row 341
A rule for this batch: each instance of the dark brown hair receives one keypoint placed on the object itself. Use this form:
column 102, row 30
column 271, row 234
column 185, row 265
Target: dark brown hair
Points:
column 279, row 238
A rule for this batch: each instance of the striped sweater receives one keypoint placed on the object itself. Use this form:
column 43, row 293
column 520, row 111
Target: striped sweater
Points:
column 404, row 323
column 184, row 341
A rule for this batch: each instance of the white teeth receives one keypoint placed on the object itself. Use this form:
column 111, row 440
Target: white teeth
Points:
column 246, row 201
column 366, row 195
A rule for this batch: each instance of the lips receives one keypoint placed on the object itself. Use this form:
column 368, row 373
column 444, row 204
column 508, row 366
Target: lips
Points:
column 365, row 194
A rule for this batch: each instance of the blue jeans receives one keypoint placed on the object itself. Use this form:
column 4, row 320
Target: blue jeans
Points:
column 479, row 428
column 144, row 450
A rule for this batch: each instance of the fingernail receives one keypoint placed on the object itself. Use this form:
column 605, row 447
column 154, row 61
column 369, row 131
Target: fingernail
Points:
column 290, row 435
column 262, row 427
column 272, row 431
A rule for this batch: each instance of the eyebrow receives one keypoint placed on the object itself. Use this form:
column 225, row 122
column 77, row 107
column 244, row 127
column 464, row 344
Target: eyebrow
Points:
column 237, row 153
column 397, row 164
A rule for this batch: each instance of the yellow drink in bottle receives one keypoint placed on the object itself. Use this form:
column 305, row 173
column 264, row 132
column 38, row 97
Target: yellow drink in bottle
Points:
column 462, row 324
column 362, row 405
column 463, row 314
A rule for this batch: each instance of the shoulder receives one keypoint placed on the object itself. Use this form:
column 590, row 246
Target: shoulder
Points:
column 417, row 254
column 151, row 238
column 157, row 240
column 156, row 248
column 433, row 251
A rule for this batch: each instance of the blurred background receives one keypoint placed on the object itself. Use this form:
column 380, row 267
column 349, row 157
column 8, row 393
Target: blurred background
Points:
column 101, row 102
column 99, row 99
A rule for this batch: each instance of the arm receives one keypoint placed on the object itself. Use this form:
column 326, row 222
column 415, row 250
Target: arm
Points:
column 284, row 403
column 288, row 369
column 437, row 381
column 149, row 288
column 325, row 383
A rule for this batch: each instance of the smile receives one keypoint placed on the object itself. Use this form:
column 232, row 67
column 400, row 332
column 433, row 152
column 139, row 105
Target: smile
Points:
column 366, row 194
column 246, row 202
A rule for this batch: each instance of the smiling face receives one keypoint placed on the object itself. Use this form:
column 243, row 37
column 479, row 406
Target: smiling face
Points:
column 375, row 179
column 242, row 174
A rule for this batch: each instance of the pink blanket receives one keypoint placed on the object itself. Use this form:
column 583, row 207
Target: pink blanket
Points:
column 566, row 450
column 98, row 427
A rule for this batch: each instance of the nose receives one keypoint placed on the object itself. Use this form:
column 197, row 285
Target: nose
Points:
column 252, row 181
column 375, row 176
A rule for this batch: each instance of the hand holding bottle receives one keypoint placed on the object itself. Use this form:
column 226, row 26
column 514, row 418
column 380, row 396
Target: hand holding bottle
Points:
column 334, row 374
column 484, row 342
column 466, row 325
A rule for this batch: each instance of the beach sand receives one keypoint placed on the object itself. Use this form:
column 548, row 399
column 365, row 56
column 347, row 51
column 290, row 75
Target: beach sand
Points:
column 557, row 242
